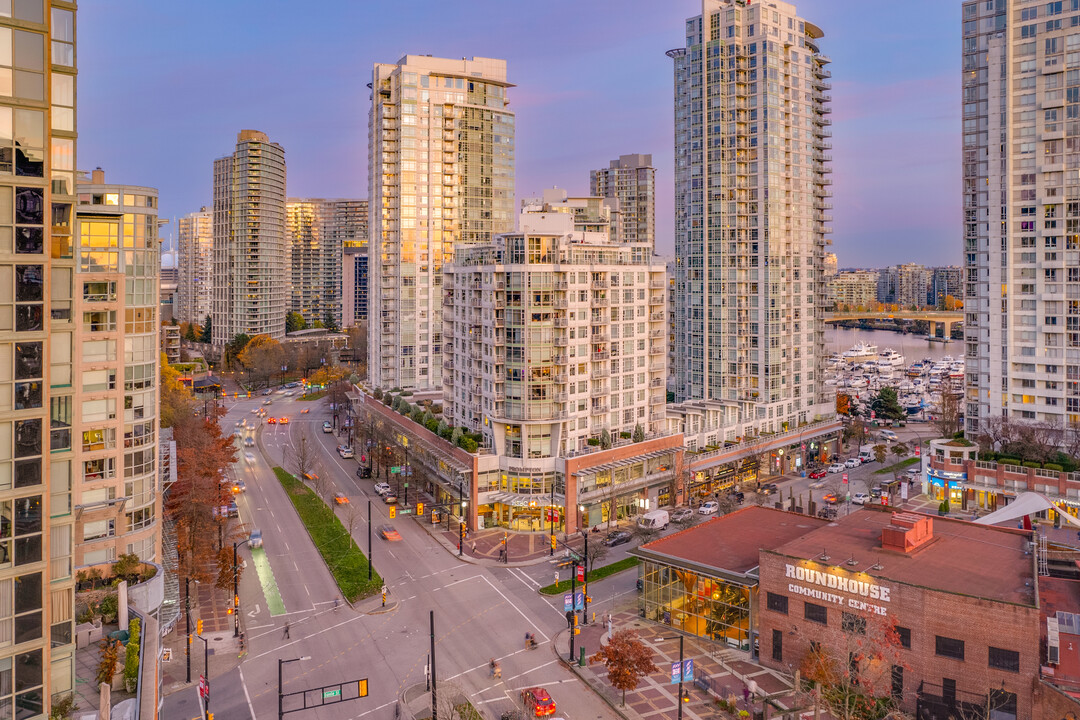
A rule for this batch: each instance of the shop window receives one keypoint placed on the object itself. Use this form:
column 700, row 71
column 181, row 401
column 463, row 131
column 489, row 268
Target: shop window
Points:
column 777, row 603
column 852, row 623
column 1002, row 704
column 778, row 645
column 949, row 647
column 1004, row 659
column 817, row 613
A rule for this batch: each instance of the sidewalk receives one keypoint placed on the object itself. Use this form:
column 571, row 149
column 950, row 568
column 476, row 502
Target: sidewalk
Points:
column 211, row 605
column 727, row 672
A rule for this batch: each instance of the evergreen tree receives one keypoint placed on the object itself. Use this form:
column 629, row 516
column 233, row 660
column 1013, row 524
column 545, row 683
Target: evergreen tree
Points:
column 206, row 330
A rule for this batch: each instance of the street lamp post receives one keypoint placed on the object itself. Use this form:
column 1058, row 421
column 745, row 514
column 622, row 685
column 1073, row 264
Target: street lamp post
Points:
column 280, row 696
column 461, row 519
column 235, row 589
column 585, row 583
column 206, row 671
column 369, row 540
column 679, row 700
column 187, row 624
column 551, row 517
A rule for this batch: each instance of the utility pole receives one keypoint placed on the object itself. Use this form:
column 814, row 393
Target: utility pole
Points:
column 571, row 615
column 434, row 692
column 551, row 517
column 585, row 582
column 187, row 624
column 682, row 666
column 235, row 589
column 461, row 519
column 369, row 540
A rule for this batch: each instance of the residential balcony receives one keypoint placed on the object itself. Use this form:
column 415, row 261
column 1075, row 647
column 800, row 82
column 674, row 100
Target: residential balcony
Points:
column 656, row 334
column 657, row 349
column 656, row 382
column 600, row 371
column 656, row 300
column 599, row 337
column 561, row 322
column 561, row 341
column 600, row 285
column 656, row 316
column 657, row 284
column 600, row 302
column 601, row 355
column 598, row 409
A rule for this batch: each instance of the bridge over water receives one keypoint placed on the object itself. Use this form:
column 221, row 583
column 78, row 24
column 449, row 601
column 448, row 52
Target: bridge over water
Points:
column 932, row 317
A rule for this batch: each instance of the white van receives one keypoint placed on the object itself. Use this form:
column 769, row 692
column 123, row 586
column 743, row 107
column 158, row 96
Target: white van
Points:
column 654, row 520
column 866, row 454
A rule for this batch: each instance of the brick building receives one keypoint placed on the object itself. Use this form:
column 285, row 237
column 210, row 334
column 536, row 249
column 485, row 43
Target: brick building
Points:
column 942, row 614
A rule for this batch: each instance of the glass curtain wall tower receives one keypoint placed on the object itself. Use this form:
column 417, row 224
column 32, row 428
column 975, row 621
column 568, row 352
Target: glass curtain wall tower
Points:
column 38, row 395
column 441, row 173
column 751, row 196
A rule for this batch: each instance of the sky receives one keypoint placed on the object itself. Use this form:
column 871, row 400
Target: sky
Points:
column 164, row 88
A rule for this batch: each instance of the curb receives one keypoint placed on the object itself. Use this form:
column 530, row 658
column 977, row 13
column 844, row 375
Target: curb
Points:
column 576, row 671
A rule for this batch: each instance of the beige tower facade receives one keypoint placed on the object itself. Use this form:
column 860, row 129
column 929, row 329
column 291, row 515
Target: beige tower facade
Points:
column 38, row 390
column 632, row 181
column 441, row 174
column 251, row 259
column 115, row 419
column 318, row 231
column 195, row 265
column 751, row 197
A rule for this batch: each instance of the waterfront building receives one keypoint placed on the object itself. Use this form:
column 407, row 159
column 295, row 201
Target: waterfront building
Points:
column 195, row 263
column 116, row 492
column 40, row 396
column 903, row 285
column 751, row 195
column 251, row 259
column 631, row 180
column 854, row 289
column 944, row 281
column 354, row 271
column 318, row 231
column 441, row 172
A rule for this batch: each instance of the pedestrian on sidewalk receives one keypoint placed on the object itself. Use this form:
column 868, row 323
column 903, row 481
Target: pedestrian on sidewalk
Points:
column 474, row 547
column 285, row 634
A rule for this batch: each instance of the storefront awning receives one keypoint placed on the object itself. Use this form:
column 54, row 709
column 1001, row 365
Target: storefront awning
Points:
column 623, row 463
column 518, row 499
column 1027, row 503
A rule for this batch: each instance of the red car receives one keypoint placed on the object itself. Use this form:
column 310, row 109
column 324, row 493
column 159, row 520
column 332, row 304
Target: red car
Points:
column 830, row 498
column 818, row 474
column 271, row 421
column 538, row 702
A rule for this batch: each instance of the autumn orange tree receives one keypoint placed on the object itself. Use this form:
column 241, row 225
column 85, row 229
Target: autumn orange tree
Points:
column 627, row 659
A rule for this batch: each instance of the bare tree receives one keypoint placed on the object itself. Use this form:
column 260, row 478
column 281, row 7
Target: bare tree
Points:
column 756, row 451
column 947, row 417
column 597, row 552
column 451, row 703
column 303, row 456
column 350, row 518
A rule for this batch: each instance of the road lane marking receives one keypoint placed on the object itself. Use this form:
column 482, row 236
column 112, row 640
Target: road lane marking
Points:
column 513, row 605
column 274, row 603
column 243, row 684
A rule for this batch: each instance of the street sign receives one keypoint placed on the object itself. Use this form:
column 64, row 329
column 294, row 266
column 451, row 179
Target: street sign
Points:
column 395, row 469
column 204, row 687
column 688, row 670
column 336, row 692
column 845, row 479
column 676, row 672
column 581, row 573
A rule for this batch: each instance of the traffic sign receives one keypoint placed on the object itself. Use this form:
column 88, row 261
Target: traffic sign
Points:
column 845, row 478
column 336, row 692
column 395, row 469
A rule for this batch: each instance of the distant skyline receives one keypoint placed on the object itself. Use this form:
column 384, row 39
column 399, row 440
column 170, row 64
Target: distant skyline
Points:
column 592, row 83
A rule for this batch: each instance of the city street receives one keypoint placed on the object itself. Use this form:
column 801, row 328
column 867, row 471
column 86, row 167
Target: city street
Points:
column 480, row 612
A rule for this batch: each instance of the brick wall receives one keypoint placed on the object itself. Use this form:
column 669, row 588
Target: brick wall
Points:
column 1053, row 704
column 927, row 613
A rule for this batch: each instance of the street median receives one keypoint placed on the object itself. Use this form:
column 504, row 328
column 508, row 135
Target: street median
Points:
column 338, row 549
column 592, row 576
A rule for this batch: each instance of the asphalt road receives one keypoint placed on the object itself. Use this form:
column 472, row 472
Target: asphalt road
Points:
column 480, row 612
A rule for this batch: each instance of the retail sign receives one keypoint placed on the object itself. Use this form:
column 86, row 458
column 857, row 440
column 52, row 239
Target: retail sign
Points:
column 841, row 583
column 579, row 601
column 946, row 474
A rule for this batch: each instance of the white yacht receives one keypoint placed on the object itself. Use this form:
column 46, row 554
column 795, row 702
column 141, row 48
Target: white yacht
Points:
column 861, row 352
column 890, row 357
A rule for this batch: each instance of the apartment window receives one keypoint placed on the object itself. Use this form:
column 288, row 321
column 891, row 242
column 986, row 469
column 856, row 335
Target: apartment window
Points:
column 28, row 606
column 1004, row 659
column 949, row 647
column 903, row 636
column 816, row 613
column 99, row 529
column 777, row 603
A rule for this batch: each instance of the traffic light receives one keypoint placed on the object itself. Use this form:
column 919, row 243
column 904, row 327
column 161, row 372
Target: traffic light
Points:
column 362, row 687
column 434, row 517
column 393, row 512
column 419, row 508
column 236, row 601
column 552, row 542
column 228, row 611
column 198, row 626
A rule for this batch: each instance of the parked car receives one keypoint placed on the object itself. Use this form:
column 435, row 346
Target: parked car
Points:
column 836, row 467
column 875, row 492
column 818, row 474
column 739, row 495
column 267, row 391
column 709, row 508
column 768, row 489
column 654, row 520
column 363, row 472
column 387, row 532
column 255, row 538
column 340, row 499
column 327, row 427
column 382, row 488
column 852, row 463
column 617, row 537
column 268, row 401
column 537, row 702
column 914, row 471
column 682, row 514
column 345, row 451
column 860, row 498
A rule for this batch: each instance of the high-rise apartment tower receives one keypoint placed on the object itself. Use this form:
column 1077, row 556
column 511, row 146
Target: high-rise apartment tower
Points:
column 39, row 393
column 251, row 260
column 441, row 173
column 1021, row 136
column 318, row 231
column 751, row 191
column 632, row 181
column 195, row 253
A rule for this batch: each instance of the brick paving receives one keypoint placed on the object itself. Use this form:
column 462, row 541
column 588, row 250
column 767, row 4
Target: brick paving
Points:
column 727, row 672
